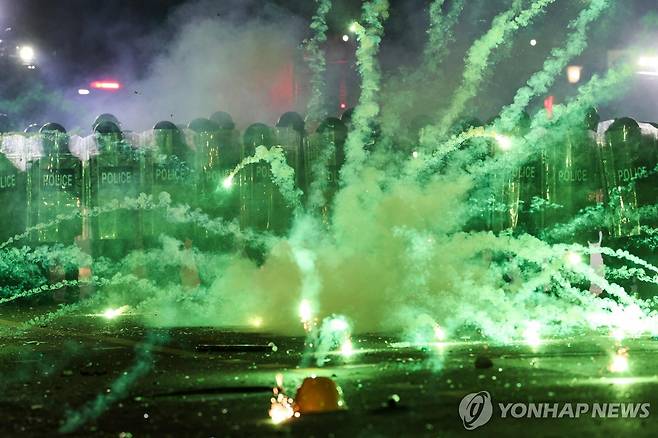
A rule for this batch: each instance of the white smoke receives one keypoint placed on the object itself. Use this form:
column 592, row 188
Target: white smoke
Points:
column 214, row 58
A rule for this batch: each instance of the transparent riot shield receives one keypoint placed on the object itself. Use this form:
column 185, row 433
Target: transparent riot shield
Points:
column 291, row 136
column 261, row 205
column 572, row 182
column 622, row 168
column 511, row 186
column 13, row 196
column 55, row 191
column 168, row 174
column 628, row 160
column 112, row 180
column 324, row 155
column 212, row 162
column 54, row 206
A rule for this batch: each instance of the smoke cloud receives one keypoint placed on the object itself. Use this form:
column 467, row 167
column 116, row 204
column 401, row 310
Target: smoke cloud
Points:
column 239, row 57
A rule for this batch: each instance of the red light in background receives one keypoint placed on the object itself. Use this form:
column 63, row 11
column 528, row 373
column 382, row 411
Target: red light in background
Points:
column 548, row 104
column 342, row 92
column 282, row 87
column 105, row 85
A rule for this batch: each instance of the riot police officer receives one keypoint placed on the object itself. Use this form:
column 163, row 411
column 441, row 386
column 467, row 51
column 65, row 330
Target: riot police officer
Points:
column 168, row 173
column 261, row 205
column 628, row 163
column 571, row 177
column 114, row 178
column 55, row 199
column 518, row 183
column 214, row 157
column 105, row 117
column 291, row 136
column 622, row 168
column 325, row 155
column 13, row 194
column 55, row 189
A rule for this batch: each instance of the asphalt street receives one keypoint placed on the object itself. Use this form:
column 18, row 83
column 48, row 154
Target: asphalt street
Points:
column 202, row 381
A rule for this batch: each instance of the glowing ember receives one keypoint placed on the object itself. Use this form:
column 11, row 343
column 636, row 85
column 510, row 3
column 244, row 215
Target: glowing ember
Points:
column 305, row 312
column 531, row 334
column 439, row 333
column 256, row 321
column 619, row 362
column 504, row 142
column 347, row 349
column 281, row 408
column 114, row 313
column 573, row 258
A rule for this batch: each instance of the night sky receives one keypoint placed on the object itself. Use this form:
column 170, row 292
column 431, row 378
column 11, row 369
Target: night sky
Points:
column 82, row 40
column 86, row 37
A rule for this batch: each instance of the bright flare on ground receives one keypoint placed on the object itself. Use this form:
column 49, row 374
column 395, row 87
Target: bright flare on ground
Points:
column 256, row 321
column 650, row 62
column 281, row 409
column 619, row 362
column 105, row 85
column 439, row 333
column 114, row 313
column 347, row 349
column 531, row 334
column 228, row 182
column 305, row 311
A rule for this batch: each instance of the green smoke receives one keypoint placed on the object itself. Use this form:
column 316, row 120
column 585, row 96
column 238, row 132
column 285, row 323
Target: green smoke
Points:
column 369, row 36
column 595, row 91
column 478, row 62
column 34, row 102
column 396, row 255
column 317, row 63
column 319, row 171
column 540, row 82
column 440, row 33
column 119, row 388
column 404, row 89
column 283, row 175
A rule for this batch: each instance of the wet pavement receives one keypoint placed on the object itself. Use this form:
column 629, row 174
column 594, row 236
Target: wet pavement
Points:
column 390, row 388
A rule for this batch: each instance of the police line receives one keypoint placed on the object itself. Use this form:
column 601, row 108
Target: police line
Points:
column 50, row 174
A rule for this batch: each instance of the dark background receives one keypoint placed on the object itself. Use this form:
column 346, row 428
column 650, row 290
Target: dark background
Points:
column 82, row 40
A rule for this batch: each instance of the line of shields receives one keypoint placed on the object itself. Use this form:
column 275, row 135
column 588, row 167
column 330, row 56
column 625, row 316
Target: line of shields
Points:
column 596, row 183
column 66, row 189
column 53, row 183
